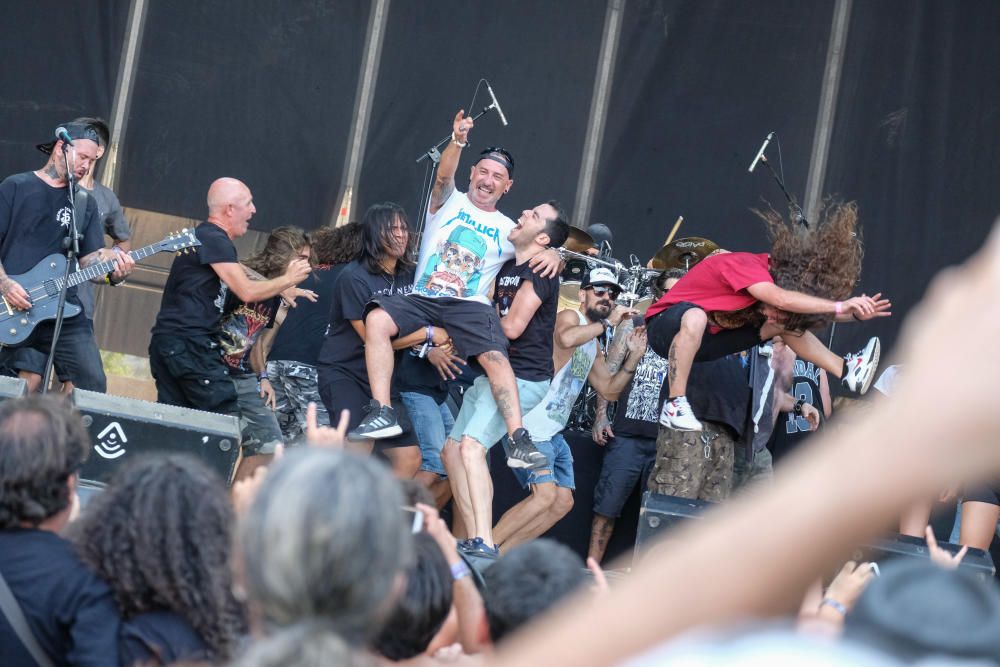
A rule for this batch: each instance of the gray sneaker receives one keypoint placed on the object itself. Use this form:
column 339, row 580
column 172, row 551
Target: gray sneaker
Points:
column 522, row 452
column 379, row 422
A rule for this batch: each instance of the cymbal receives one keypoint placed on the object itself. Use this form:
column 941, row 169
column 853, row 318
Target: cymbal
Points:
column 579, row 240
column 683, row 253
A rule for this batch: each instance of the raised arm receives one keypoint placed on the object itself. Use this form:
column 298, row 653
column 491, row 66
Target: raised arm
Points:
column 610, row 385
column 864, row 307
column 251, row 291
column 444, row 184
column 616, row 354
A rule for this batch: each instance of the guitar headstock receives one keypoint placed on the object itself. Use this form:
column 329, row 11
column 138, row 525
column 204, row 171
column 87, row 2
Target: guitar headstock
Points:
column 179, row 242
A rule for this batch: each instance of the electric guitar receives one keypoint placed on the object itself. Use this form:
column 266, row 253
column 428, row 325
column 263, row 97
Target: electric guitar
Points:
column 45, row 279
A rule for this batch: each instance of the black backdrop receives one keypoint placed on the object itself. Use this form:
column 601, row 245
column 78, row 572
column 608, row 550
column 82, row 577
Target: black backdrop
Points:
column 265, row 91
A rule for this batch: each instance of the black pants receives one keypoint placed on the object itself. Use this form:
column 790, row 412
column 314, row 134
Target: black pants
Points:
column 190, row 373
column 77, row 358
column 662, row 328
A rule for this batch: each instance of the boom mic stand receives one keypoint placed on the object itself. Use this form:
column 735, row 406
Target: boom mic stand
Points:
column 434, row 155
column 797, row 215
column 72, row 246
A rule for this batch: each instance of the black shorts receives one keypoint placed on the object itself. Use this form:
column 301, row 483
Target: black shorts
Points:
column 342, row 393
column 474, row 327
column 189, row 372
column 627, row 463
column 981, row 494
column 662, row 328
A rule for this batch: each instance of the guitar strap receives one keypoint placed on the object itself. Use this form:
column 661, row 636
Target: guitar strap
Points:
column 12, row 610
column 82, row 199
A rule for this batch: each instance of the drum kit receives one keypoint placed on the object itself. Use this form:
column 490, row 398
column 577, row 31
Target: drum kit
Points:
column 637, row 283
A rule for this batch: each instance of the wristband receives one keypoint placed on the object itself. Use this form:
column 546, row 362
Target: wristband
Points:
column 455, row 141
column 606, row 323
column 798, row 407
column 459, row 570
column 838, row 308
column 833, row 604
column 429, row 340
column 261, row 376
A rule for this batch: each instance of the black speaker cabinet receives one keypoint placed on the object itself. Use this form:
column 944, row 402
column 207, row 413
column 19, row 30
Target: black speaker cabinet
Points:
column 121, row 428
column 976, row 561
column 659, row 514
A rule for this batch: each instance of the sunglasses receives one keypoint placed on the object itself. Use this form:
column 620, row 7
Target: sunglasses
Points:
column 601, row 291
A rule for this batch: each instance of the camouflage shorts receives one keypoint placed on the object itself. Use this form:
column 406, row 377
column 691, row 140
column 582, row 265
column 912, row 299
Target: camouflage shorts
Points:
column 295, row 386
column 697, row 465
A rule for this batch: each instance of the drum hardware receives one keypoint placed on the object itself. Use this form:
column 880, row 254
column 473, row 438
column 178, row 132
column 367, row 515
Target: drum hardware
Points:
column 683, row 253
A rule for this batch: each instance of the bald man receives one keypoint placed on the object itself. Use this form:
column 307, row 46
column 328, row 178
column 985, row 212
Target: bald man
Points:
column 184, row 351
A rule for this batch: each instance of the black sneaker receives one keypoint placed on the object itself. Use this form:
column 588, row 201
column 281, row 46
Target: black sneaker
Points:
column 523, row 453
column 379, row 422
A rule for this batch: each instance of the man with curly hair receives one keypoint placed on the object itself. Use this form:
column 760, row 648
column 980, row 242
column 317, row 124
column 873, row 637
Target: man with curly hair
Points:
column 730, row 301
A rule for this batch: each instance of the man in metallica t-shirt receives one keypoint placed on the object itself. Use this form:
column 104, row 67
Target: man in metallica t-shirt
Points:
column 463, row 247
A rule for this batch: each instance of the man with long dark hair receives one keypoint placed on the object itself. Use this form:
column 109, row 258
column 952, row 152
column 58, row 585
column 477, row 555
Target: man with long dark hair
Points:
column 384, row 268
column 465, row 242
column 730, row 301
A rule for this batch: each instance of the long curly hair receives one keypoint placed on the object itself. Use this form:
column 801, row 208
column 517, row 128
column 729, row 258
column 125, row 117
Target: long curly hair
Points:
column 823, row 260
column 282, row 244
column 336, row 245
column 160, row 534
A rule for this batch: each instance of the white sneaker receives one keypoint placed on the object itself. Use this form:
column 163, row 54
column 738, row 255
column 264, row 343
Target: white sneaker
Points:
column 677, row 414
column 859, row 369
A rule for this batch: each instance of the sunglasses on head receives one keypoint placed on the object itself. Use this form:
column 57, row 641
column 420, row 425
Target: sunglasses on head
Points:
column 601, row 291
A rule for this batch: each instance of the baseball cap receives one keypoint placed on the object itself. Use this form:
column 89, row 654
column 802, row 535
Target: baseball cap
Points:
column 601, row 276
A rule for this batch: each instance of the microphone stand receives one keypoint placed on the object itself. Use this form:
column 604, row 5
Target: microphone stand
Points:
column 71, row 244
column 797, row 215
column 434, row 155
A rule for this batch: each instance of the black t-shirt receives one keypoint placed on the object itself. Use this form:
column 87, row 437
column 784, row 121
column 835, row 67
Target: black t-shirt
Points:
column 719, row 391
column 241, row 326
column 301, row 334
column 791, row 431
column 531, row 353
column 109, row 212
column 34, row 220
column 70, row 610
column 160, row 638
column 191, row 305
column 343, row 351
column 638, row 411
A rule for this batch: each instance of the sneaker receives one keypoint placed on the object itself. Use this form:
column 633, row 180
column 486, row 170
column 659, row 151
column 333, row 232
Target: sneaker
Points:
column 476, row 546
column 678, row 415
column 522, row 452
column 379, row 422
column 859, row 369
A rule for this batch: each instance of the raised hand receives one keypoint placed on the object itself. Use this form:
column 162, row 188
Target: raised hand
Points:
column 636, row 341
column 298, row 270
column 620, row 313
column 460, row 127
column 324, row 436
column 942, row 557
column 880, row 308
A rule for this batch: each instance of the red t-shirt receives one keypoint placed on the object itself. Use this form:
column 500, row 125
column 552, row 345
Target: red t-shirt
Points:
column 718, row 283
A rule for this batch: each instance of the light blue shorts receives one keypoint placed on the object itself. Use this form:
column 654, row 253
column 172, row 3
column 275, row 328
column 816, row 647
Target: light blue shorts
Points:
column 479, row 417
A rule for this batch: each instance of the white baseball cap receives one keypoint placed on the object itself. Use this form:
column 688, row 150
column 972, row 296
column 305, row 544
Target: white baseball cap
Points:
column 601, row 276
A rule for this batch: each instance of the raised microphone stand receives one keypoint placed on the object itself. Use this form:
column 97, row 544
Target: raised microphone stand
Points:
column 434, row 155
column 71, row 244
column 797, row 215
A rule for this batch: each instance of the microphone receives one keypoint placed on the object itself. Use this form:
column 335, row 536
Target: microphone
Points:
column 61, row 133
column 496, row 105
column 760, row 153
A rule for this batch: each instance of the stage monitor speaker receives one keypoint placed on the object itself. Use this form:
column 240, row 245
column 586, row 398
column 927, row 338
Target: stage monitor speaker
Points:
column 12, row 387
column 660, row 514
column 122, row 428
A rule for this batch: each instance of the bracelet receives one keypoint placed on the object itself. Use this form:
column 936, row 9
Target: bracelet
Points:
column 798, row 407
column 430, row 335
column 460, row 570
column 838, row 308
column 262, row 376
column 833, row 604
column 455, row 140
column 606, row 323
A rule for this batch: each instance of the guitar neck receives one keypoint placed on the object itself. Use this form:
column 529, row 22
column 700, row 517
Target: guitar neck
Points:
column 104, row 268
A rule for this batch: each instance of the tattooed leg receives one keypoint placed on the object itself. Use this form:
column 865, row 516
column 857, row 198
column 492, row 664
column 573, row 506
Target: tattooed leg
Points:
column 683, row 349
column 504, row 387
column 600, row 535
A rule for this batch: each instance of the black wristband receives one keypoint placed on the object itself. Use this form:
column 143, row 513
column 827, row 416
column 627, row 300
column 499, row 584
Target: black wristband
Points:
column 798, row 407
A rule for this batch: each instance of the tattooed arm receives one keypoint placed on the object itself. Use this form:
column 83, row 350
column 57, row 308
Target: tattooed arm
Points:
column 616, row 354
column 444, row 184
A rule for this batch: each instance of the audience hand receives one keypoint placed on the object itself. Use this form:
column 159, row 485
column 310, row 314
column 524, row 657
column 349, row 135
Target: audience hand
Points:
column 547, row 264
column 460, row 127
column 940, row 556
column 811, row 415
column 298, row 270
column 289, row 296
column 244, row 491
column 849, row 583
column 324, row 436
column 445, row 362
column 267, row 393
column 435, row 526
column 602, row 430
column 881, row 308
column 600, row 580
column 620, row 313
column 636, row 342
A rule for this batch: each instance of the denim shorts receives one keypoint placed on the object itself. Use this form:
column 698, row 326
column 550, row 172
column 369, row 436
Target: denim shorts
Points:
column 559, row 470
column 432, row 423
column 627, row 461
column 480, row 418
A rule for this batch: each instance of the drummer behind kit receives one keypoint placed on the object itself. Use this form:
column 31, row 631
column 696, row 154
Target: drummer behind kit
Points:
column 637, row 280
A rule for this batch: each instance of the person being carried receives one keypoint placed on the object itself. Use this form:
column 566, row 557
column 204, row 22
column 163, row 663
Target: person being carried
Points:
column 730, row 301
column 463, row 247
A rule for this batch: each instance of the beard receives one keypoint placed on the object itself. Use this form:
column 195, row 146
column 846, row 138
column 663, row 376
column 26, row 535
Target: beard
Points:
column 597, row 313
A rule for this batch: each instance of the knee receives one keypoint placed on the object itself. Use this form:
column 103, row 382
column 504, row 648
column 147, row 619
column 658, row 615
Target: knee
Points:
column 472, row 452
column 563, row 503
column 694, row 321
column 379, row 323
column 450, row 453
column 545, row 494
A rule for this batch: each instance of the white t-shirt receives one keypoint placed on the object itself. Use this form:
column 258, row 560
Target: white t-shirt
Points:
column 462, row 250
column 551, row 414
